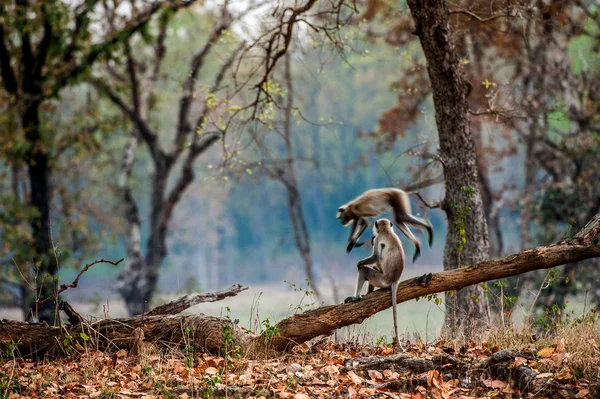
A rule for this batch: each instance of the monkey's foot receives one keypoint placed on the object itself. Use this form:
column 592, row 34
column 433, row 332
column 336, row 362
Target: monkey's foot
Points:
column 424, row 279
column 430, row 232
column 349, row 247
column 352, row 299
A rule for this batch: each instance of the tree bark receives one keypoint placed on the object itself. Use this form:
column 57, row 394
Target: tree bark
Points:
column 462, row 203
column 208, row 332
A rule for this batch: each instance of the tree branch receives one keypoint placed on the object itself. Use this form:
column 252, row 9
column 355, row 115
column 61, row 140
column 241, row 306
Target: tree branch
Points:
column 145, row 131
column 96, row 50
column 42, row 47
column 183, row 303
column 185, row 101
column 480, row 19
column 81, row 19
column 424, row 183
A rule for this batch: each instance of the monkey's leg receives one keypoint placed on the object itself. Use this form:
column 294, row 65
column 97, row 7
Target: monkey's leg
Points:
column 361, row 226
column 418, row 222
column 404, row 229
column 360, row 282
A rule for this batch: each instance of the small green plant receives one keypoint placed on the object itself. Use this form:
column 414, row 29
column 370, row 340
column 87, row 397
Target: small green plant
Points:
column 211, row 384
column 381, row 341
column 189, row 350
column 431, row 297
column 229, row 347
column 291, row 383
column 268, row 331
column 570, row 230
column 307, row 293
column 68, row 344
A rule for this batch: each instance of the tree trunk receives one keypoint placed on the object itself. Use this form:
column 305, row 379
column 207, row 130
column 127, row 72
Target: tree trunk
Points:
column 38, row 168
column 301, row 235
column 138, row 280
column 467, row 240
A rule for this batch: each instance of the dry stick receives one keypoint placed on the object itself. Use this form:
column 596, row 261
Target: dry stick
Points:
column 181, row 304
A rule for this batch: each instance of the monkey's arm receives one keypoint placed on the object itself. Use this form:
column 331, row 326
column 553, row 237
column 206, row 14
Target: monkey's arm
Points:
column 367, row 261
column 358, row 227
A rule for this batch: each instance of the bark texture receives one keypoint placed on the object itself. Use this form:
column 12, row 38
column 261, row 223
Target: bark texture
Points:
column 462, row 203
column 208, row 332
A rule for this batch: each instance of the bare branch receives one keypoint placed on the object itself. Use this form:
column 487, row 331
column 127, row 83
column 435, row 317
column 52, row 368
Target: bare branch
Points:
column 185, row 102
column 145, row 131
column 183, row 303
column 436, row 204
column 480, row 19
column 424, row 183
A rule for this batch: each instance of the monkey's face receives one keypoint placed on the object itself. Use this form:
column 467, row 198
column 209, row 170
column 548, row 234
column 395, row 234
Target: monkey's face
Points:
column 344, row 215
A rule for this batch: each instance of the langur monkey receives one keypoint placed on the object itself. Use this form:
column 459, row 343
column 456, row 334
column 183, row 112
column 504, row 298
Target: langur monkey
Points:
column 373, row 203
column 384, row 267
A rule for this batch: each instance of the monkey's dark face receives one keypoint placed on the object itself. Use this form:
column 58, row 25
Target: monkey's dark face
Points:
column 344, row 215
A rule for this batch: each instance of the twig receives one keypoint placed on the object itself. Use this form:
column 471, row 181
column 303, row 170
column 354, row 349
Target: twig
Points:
column 436, row 204
column 478, row 18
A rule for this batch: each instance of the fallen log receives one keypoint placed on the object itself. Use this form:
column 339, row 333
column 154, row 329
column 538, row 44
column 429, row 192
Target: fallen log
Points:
column 211, row 333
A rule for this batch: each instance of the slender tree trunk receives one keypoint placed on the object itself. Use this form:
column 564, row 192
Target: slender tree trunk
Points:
column 301, row 235
column 467, row 239
column 39, row 172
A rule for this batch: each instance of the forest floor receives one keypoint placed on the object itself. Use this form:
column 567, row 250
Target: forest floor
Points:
column 565, row 364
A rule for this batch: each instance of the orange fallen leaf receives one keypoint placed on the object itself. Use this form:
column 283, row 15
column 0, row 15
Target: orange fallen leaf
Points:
column 560, row 348
column 564, row 374
column 211, row 371
column 582, row 394
column 375, row 375
column 355, row 378
column 121, row 354
column 544, row 375
column 546, row 352
column 494, row 384
column 518, row 362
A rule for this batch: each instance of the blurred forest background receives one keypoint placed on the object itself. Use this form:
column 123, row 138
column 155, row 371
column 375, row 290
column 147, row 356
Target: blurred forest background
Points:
column 165, row 138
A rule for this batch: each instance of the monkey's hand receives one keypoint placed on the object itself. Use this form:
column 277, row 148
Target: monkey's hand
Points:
column 352, row 299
